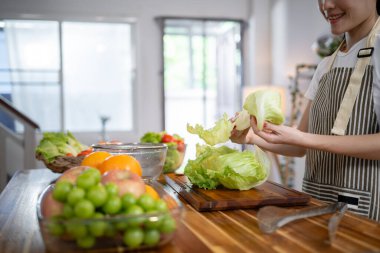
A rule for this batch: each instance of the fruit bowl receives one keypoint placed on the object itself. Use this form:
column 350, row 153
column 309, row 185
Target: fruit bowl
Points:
column 117, row 233
column 151, row 156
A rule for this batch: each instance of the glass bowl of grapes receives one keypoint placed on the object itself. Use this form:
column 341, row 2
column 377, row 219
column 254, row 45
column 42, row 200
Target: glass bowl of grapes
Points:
column 81, row 211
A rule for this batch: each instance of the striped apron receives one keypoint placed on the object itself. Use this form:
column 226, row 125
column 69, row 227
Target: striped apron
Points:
column 332, row 177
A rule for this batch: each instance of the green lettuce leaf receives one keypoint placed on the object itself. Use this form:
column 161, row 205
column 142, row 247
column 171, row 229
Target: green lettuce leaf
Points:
column 242, row 170
column 228, row 167
column 220, row 133
column 48, row 150
column 243, row 120
column 204, row 170
column 151, row 137
column 172, row 157
column 265, row 105
column 74, row 143
column 59, row 144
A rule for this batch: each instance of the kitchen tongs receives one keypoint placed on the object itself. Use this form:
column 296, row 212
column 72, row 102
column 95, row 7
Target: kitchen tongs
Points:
column 270, row 218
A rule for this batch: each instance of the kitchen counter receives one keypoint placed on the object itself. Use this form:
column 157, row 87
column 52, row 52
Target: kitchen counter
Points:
column 200, row 232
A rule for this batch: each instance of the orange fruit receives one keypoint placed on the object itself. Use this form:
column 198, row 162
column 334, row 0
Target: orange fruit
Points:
column 151, row 191
column 121, row 162
column 95, row 158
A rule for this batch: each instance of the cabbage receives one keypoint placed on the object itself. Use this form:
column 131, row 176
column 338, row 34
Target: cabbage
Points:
column 243, row 120
column 220, row 133
column 265, row 105
column 228, row 167
column 203, row 171
column 244, row 170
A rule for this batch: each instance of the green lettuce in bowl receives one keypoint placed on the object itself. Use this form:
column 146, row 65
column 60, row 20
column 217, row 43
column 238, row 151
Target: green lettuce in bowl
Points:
column 176, row 148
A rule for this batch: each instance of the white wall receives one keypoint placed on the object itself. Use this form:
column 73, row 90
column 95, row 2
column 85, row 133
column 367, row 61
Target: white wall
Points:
column 279, row 36
column 144, row 13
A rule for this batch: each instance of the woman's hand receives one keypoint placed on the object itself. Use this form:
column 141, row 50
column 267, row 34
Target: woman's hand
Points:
column 241, row 137
column 277, row 134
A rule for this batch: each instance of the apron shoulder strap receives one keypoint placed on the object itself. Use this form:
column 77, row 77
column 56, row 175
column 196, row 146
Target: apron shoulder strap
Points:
column 353, row 88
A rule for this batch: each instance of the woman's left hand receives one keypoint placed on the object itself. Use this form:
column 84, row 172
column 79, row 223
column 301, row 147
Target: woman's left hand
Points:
column 277, row 134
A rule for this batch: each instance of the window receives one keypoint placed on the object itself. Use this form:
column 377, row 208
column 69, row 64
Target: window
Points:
column 70, row 75
column 202, row 72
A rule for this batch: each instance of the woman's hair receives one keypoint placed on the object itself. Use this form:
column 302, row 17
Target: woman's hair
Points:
column 378, row 6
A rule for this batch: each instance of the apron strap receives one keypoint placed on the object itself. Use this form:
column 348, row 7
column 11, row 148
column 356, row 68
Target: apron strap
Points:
column 352, row 91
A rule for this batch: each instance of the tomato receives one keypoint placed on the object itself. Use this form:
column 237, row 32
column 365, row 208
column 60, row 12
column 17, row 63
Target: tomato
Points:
column 180, row 146
column 166, row 138
column 85, row 152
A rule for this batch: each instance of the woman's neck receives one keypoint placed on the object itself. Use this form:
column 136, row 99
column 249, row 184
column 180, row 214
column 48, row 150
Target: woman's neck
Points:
column 359, row 32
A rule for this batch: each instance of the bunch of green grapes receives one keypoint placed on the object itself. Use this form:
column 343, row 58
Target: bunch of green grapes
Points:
column 92, row 210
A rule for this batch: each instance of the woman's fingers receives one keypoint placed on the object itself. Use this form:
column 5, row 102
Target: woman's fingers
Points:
column 238, row 136
column 269, row 127
column 233, row 119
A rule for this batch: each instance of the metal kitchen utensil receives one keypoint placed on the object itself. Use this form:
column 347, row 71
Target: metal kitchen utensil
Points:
column 335, row 220
column 270, row 218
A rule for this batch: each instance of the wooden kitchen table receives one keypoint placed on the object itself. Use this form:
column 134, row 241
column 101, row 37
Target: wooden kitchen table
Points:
column 200, row 232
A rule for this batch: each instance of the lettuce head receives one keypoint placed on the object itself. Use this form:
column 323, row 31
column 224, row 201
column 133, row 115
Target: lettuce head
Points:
column 220, row 133
column 265, row 105
column 244, row 170
column 204, row 170
column 228, row 167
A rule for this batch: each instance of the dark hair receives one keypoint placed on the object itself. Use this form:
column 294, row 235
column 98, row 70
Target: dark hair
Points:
column 378, row 7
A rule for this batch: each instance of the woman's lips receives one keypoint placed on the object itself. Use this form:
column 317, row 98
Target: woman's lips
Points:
column 334, row 18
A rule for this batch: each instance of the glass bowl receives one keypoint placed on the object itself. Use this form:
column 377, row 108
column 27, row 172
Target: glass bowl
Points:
column 150, row 155
column 174, row 159
column 70, row 235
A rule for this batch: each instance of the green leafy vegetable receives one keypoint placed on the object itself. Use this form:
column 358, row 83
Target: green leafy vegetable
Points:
column 243, row 120
column 242, row 170
column 176, row 148
column 172, row 158
column 72, row 141
column 203, row 171
column 48, row 150
column 59, row 144
column 265, row 105
column 228, row 167
column 220, row 133
column 151, row 137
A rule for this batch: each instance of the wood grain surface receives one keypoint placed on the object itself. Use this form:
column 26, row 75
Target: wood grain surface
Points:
column 268, row 193
column 200, row 232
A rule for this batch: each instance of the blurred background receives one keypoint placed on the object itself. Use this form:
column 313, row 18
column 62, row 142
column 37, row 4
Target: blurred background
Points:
column 116, row 69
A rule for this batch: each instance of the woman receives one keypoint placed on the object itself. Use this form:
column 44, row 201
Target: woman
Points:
column 339, row 132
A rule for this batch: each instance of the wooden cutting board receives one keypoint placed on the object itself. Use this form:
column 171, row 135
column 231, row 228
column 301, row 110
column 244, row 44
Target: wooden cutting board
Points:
column 269, row 193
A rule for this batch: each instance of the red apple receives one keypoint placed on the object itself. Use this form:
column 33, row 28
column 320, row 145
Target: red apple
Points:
column 126, row 181
column 71, row 175
column 49, row 206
